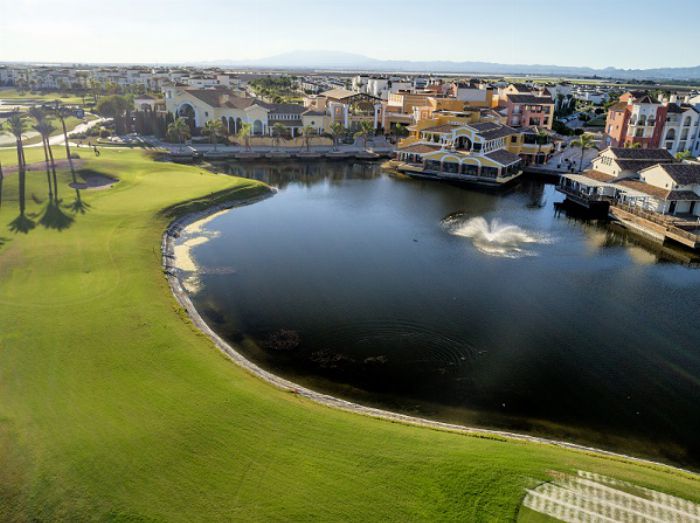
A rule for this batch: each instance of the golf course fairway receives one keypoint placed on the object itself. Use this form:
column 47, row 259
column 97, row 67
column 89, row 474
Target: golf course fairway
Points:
column 115, row 407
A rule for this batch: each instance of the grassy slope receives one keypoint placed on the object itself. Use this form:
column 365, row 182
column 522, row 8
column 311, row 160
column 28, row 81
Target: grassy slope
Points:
column 113, row 406
column 45, row 96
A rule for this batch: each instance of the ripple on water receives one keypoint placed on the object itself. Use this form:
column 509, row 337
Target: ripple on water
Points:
column 401, row 342
column 494, row 238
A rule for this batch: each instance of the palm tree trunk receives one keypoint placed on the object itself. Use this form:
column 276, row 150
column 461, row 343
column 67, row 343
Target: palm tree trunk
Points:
column 44, row 143
column 2, row 177
column 65, row 141
column 53, row 172
column 20, row 175
column 580, row 165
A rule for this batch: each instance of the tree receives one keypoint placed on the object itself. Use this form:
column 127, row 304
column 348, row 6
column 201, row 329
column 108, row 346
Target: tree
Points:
column 633, row 145
column 337, row 130
column 307, row 132
column 16, row 125
column 244, row 134
column 279, row 132
column 585, row 141
column 117, row 107
column 178, row 131
column 683, row 155
column 44, row 128
column 541, row 139
column 214, row 128
column 399, row 132
column 364, row 132
column 62, row 112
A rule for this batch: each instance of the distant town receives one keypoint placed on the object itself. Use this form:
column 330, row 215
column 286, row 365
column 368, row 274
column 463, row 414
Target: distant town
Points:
column 484, row 131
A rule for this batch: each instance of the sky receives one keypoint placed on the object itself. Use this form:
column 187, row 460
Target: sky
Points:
column 595, row 33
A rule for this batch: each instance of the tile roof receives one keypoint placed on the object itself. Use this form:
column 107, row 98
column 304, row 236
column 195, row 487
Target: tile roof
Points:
column 445, row 128
column 599, row 176
column 420, row 148
column 682, row 196
column 286, row 108
column 656, row 192
column 338, row 94
column 530, row 99
column 503, row 157
column 683, row 173
column 627, row 153
column 491, row 131
column 635, row 165
column 619, row 106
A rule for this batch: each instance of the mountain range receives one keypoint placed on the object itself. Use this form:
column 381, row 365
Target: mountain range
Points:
column 337, row 61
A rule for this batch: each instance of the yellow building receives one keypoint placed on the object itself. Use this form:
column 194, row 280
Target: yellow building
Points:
column 472, row 146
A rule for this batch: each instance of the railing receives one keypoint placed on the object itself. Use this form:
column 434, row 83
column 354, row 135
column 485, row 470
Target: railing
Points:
column 596, row 197
column 660, row 219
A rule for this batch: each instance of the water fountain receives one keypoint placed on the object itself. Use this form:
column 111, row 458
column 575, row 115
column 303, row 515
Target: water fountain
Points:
column 494, row 238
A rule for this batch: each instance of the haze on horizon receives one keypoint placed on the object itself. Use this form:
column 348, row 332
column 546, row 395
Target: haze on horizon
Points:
column 599, row 33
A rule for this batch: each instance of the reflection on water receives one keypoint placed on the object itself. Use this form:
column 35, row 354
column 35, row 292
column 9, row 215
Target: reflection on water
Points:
column 355, row 283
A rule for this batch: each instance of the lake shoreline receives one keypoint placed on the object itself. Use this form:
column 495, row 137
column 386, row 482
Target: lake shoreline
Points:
column 180, row 293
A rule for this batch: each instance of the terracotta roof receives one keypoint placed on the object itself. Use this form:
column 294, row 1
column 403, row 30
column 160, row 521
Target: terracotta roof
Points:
column 599, row 176
column 619, row 106
column 420, row 148
column 503, row 157
column 627, row 153
column 656, row 192
column 338, row 94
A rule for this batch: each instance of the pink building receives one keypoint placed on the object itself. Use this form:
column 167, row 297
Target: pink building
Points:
column 528, row 110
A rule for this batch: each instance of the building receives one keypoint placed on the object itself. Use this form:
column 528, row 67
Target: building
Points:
column 350, row 108
column 646, row 190
column 638, row 120
column 470, row 146
column 527, row 110
column 202, row 105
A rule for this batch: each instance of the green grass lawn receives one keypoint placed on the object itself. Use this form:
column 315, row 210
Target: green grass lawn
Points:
column 41, row 96
column 71, row 123
column 114, row 407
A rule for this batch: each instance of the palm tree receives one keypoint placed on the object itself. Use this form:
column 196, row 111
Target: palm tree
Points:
column 307, row 132
column 585, row 141
column 279, row 131
column 44, row 128
column 244, row 134
column 683, row 155
column 337, row 130
column 541, row 139
column 214, row 129
column 633, row 145
column 2, row 177
column 16, row 125
column 61, row 112
column 364, row 132
column 179, row 131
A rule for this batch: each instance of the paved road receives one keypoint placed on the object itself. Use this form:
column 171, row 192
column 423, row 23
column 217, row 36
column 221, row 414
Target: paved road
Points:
column 7, row 140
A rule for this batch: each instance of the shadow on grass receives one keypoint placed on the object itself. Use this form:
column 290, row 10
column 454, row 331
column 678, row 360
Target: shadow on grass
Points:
column 78, row 206
column 55, row 218
column 22, row 224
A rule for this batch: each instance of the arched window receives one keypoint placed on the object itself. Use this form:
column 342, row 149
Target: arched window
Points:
column 686, row 121
column 671, row 134
column 257, row 128
column 642, row 120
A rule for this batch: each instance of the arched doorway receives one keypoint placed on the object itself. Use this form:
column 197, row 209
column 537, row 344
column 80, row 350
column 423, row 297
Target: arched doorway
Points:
column 239, row 124
column 463, row 143
column 186, row 111
column 232, row 125
column 257, row 128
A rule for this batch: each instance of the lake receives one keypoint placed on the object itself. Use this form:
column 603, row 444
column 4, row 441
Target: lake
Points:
column 498, row 310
